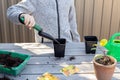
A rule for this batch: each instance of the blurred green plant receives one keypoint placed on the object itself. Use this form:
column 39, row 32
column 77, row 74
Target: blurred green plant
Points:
column 100, row 46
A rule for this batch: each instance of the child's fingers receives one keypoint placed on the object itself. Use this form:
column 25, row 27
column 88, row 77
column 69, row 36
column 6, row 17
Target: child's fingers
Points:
column 31, row 22
column 27, row 20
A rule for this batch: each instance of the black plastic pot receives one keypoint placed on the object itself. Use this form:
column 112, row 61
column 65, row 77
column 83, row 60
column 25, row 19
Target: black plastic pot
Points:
column 89, row 44
column 59, row 49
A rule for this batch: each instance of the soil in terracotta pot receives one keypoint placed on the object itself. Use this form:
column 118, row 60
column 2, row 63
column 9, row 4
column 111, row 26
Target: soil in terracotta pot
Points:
column 105, row 60
column 9, row 61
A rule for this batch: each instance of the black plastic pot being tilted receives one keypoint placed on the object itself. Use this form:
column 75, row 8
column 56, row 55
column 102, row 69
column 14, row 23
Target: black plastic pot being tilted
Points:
column 59, row 44
column 89, row 42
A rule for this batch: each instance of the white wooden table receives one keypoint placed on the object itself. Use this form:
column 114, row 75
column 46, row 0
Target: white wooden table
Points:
column 42, row 60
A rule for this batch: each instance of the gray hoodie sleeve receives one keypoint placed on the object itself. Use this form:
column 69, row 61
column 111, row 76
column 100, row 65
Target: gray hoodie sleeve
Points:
column 73, row 25
column 13, row 12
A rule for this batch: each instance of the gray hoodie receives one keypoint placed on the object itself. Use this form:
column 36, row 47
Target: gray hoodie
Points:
column 56, row 17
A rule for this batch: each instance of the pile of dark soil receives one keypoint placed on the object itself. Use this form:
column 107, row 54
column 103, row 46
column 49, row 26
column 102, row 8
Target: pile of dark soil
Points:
column 71, row 58
column 105, row 60
column 8, row 61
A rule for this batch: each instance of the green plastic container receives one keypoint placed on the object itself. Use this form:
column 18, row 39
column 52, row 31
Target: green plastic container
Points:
column 113, row 46
column 14, row 70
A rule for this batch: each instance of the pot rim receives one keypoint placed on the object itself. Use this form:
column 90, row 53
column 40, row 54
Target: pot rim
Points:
column 109, row 66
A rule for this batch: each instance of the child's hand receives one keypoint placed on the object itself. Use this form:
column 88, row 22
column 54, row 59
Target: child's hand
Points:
column 29, row 20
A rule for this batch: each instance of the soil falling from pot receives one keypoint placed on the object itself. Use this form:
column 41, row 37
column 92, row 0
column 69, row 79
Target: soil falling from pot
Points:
column 71, row 58
column 8, row 61
column 105, row 60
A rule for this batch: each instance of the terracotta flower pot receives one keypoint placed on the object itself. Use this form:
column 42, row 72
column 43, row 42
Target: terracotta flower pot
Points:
column 104, row 72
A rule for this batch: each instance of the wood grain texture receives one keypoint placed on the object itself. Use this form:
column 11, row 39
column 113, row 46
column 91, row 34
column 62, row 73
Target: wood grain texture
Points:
column 115, row 18
column 80, row 15
column 97, row 16
column 88, row 17
column 106, row 18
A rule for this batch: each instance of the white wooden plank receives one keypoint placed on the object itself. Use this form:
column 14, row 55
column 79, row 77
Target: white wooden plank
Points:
column 61, row 76
column 50, row 52
column 66, row 59
column 52, row 60
column 116, row 76
column 40, row 68
column 37, row 45
column 42, row 49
